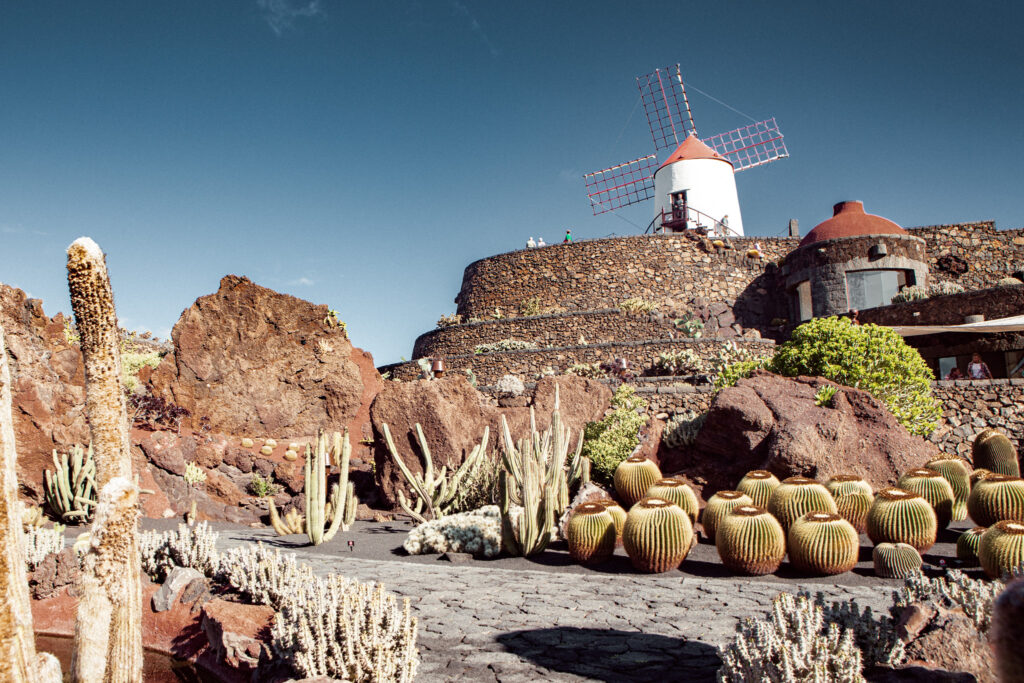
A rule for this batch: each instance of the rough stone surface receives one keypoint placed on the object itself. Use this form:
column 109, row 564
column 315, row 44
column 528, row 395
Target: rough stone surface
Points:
column 173, row 585
column 56, row 571
column 238, row 634
column 947, row 640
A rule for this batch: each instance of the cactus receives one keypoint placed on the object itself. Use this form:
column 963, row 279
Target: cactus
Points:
column 70, row 490
column 591, row 534
column 899, row 516
column 315, row 489
column 677, row 492
column 247, row 442
column 978, row 474
column 991, row 450
column 617, row 512
column 853, row 498
column 996, row 497
column 958, row 473
column 967, row 545
column 759, row 485
column 896, row 560
column 750, row 541
column 933, row 487
column 293, row 522
column 719, row 505
column 823, row 543
column 845, row 484
column 633, row 477
column 657, row 536
column 1004, row 634
column 796, row 496
column 1001, row 550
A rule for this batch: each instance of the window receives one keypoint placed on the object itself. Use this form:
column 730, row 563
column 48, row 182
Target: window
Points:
column 870, row 288
column 804, row 303
column 946, row 365
column 1015, row 364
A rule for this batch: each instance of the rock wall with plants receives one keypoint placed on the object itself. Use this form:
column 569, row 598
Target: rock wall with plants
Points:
column 950, row 309
column 975, row 255
column 968, row 406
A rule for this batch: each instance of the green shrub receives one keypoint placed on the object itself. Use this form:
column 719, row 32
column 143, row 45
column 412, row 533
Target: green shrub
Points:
column 868, row 357
column 731, row 374
column 609, row 441
column 132, row 362
column 638, row 305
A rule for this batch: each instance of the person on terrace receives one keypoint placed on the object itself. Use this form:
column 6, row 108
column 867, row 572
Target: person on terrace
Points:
column 978, row 369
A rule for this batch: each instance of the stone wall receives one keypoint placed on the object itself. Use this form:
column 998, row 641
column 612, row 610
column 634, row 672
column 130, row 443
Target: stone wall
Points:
column 990, row 254
column 950, row 309
column 970, row 406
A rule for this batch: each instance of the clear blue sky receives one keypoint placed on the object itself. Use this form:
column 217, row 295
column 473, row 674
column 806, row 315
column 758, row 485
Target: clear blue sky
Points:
column 361, row 154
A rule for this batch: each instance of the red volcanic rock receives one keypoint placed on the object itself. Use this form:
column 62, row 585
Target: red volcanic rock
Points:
column 945, row 640
column 238, row 634
column 56, row 571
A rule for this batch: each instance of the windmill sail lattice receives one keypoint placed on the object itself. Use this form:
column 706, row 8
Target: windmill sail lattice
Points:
column 750, row 146
column 666, row 106
column 622, row 185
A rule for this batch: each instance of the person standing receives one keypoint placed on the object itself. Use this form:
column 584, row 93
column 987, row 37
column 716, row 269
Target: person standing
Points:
column 530, row 244
column 724, row 225
column 977, row 369
column 568, row 237
column 541, row 242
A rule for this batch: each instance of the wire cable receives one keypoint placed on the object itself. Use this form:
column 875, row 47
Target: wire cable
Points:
column 710, row 97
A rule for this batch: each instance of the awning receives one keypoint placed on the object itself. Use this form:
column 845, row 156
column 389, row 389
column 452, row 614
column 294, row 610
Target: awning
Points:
column 1012, row 324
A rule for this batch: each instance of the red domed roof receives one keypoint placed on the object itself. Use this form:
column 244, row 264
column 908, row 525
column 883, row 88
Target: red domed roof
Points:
column 693, row 148
column 849, row 220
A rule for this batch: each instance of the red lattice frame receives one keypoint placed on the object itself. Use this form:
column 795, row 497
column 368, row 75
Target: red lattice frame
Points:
column 622, row 185
column 750, row 146
column 665, row 103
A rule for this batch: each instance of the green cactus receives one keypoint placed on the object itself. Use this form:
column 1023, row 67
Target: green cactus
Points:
column 796, row 496
column 759, row 485
column 750, row 541
column 719, row 505
column 823, row 544
column 993, row 451
column 896, row 560
column 633, row 477
column 591, row 534
column 657, row 536
column 344, row 509
column 996, row 497
column 957, row 472
column 967, row 545
column 844, row 484
column 899, row 516
column 978, row 474
column 853, row 496
column 677, row 492
column 617, row 512
column 70, row 489
column 933, row 487
column 1001, row 550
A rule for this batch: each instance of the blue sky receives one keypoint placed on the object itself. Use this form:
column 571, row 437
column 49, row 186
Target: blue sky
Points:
column 360, row 155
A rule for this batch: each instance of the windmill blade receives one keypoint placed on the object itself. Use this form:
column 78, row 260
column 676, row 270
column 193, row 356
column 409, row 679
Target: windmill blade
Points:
column 621, row 185
column 665, row 104
column 750, row 146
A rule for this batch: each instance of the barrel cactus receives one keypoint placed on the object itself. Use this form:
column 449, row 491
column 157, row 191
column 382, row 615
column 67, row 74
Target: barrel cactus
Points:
column 967, row 545
column 957, row 472
column 719, row 505
column 796, row 496
column 616, row 511
column 657, row 536
column 853, row 496
column 678, row 492
column 633, row 477
column 996, row 497
column 591, row 533
column 823, row 543
column 933, row 487
column 750, row 541
column 759, row 485
column 1002, row 548
column 978, row 474
column 993, row 451
column 896, row 560
column 843, row 484
column 899, row 516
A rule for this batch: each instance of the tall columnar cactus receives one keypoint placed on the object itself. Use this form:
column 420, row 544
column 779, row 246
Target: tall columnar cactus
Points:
column 759, row 485
column 933, row 487
column 658, row 535
column 1001, row 550
column 108, row 631
column 967, row 545
column 719, row 505
column 853, row 496
column 991, row 450
column 343, row 507
column 957, row 472
column 899, row 516
column 796, row 496
column 591, row 534
column 895, row 560
column 617, row 512
column 750, row 541
column 1004, row 634
column 633, row 477
column 70, row 489
column 996, row 497
column 823, row 543
column 677, row 492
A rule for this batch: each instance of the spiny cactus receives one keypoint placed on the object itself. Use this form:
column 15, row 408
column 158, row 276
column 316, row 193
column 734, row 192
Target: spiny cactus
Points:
column 796, row 496
column 823, row 543
column 591, row 534
column 677, row 492
column 996, row 497
column 750, row 541
column 657, row 536
column 759, row 485
column 843, row 484
column 978, row 474
column 853, row 496
column 291, row 522
column 967, row 545
column 933, row 487
column 343, row 507
column 1004, row 635
column 633, row 477
column 1001, row 550
column 895, row 560
column 991, row 450
column 70, row 489
column 899, row 516
column 719, row 505
column 616, row 511
column 957, row 472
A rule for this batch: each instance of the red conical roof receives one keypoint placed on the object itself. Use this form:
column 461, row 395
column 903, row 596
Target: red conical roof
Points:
column 849, row 220
column 693, row 148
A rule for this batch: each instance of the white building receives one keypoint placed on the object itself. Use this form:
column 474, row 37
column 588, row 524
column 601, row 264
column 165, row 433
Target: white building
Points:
column 697, row 178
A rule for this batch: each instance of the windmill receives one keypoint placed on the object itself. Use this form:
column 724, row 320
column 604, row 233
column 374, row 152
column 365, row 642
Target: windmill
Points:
column 693, row 185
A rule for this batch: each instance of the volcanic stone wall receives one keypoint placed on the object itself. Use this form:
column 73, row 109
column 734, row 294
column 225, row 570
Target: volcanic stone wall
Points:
column 950, row 309
column 989, row 254
column 972, row 405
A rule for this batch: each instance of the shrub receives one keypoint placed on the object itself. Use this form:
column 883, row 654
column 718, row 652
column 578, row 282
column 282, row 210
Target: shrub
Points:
column 504, row 345
column 449, row 320
column 868, row 357
column 263, row 488
column 638, row 305
column 132, row 362
column 530, row 306
column 731, row 374
column 609, row 441
column 682, row 429
column 591, row 370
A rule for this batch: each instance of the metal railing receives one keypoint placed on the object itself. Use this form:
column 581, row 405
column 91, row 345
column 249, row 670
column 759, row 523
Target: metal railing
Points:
column 716, row 226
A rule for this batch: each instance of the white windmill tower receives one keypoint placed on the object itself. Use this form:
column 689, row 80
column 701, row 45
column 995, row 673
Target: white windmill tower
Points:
column 695, row 185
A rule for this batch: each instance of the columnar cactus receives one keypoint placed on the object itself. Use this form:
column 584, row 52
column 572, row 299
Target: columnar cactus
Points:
column 967, row 545
column 1002, row 548
column 719, row 505
column 991, row 450
column 853, row 496
column 996, row 497
column 896, row 560
column 899, row 516
column 796, row 496
column 617, row 512
column 957, row 472
column 933, row 487
column 823, row 543
column 633, row 477
column 677, row 492
column 70, row 489
column 591, row 534
column 759, row 485
column 657, row 536
column 317, row 507
column 750, row 541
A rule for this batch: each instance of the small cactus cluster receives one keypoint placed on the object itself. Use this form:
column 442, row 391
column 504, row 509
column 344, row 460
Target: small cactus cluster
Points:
column 657, row 535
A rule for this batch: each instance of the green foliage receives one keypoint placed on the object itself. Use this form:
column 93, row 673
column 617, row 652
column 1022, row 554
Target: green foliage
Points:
column 133, row 361
column 868, row 357
column 638, row 305
column 504, row 345
column 609, row 441
column 823, row 397
column 733, row 373
column 690, row 327
column 263, row 488
column 591, row 370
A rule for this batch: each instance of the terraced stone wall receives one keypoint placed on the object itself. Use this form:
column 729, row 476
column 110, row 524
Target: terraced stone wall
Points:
column 972, row 405
column 990, row 254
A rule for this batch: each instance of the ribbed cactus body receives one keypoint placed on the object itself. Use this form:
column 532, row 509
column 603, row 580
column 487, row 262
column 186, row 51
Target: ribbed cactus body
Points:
column 933, row 487
column 591, row 534
column 677, row 492
column 1002, row 548
column 895, row 560
column 615, row 510
column 853, row 496
column 633, row 477
column 967, row 545
column 657, row 535
column 796, row 496
column 958, row 473
column 991, row 450
column 978, row 474
column 899, row 516
column 750, row 541
column 759, row 485
column 996, row 497
column 823, row 543
column 843, row 484
column 719, row 505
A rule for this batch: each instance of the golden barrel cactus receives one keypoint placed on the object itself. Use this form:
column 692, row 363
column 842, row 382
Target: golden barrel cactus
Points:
column 933, row 487
column 591, row 534
column 633, row 477
column 899, row 516
column 991, row 450
column 719, row 505
column 895, row 560
column 759, row 485
column 1002, row 548
column 616, row 511
column 996, row 497
column 658, row 535
column 957, row 472
column 796, row 496
column 967, row 545
column 678, row 492
column 823, row 544
column 750, row 541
